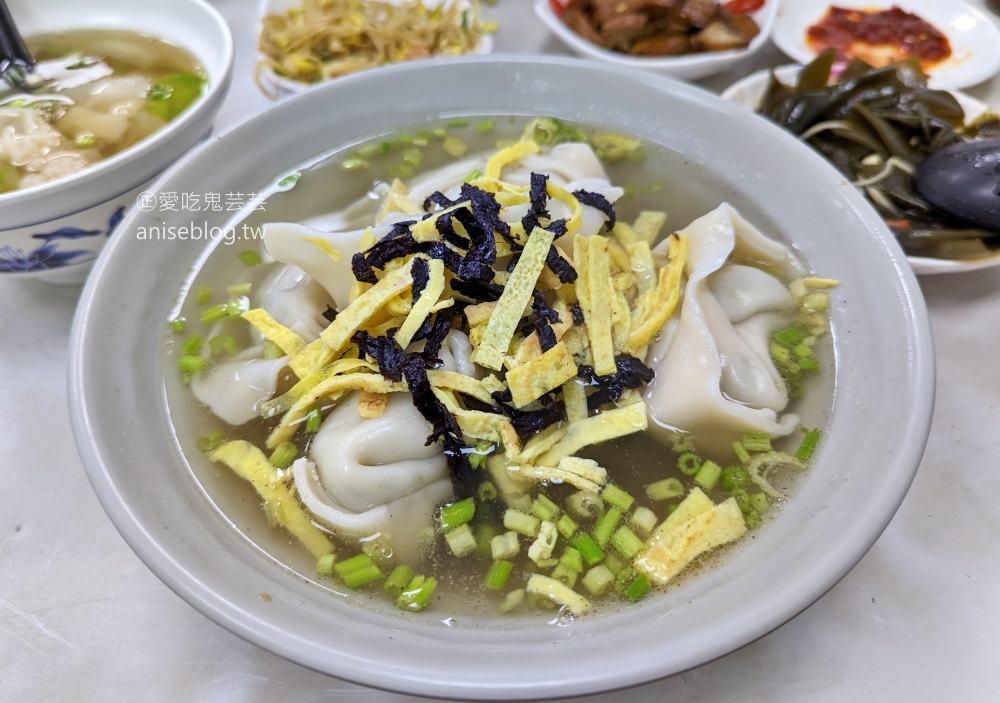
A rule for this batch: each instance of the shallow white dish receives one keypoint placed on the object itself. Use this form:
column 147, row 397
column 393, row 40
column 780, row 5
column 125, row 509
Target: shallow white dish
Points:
column 974, row 37
column 688, row 67
column 279, row 85
column 221, row 561
column 54, row 231
column 748, row 92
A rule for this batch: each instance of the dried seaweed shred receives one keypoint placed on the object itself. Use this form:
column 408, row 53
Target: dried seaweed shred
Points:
column 546, row 337
column 560, row 266
column 631, row 373
column 599, row 202
column 421, row 276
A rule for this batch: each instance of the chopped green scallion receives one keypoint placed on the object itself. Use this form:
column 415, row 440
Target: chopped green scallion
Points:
column 484, row 126
column 688, row 463
column 249, row 257
column 178, row 325
column 458, row 122
column 486, row 491
column 483, row 448
column 358, row 571
column 565, row 574
column 598, row 580
column 417, row 593
column 572, row 559
column 324, row 565
column 733, row 478
column 398, row 580
column 760, row 502
column 665, row 489
column 499, row 572
column 210, row 441
column 192, row 364
column 741, row 452
column 215, row 313
column 223, row 344
column 192, row 345
column 808, row 445
column 790, row 336
column 708, row 475
column 588, row 548
column 606, row 525
column 808, row 364
column 543, row 508
column 757, row 441
column 313, row 421
column 472, row 175
column 460, row 540
column 616, row 497
column 283, row 455
column 457, row 513
column 632, row 584
column 202, row 294
column 566, row 526
column 626, row 542
column 521, row 522
column 239, row 289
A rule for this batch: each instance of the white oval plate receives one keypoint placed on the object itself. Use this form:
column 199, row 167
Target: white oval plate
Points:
column 974, row 37
column 688, row 67
column 748, row 93
column 277, row 85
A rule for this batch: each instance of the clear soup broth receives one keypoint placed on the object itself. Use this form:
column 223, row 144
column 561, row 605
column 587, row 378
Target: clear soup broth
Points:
column 653, row 472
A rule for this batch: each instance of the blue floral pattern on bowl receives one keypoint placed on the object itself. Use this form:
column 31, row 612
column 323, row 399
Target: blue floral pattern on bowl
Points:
column 21, row 252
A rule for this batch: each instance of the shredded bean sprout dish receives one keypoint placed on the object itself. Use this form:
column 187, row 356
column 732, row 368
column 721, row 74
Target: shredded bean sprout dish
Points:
column 323, row 39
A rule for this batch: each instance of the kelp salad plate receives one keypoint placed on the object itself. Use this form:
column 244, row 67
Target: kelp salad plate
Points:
column 879, row 140
column 205, row 503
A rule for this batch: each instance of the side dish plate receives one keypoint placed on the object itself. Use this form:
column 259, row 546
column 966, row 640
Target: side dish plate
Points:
column 974, row 37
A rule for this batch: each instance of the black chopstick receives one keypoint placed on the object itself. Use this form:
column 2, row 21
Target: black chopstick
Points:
column 15, row 59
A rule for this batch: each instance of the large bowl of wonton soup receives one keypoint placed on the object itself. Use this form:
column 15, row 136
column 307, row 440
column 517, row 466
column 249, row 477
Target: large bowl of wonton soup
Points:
column 133, row 86
column 517, row 379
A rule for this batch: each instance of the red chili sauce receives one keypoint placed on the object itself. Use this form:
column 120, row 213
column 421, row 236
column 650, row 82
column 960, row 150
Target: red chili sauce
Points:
column 879, row 37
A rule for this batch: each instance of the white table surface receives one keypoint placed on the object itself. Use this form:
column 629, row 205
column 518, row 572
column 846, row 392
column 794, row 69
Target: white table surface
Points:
column 82, row 619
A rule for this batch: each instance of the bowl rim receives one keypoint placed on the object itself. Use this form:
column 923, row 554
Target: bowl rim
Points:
column 99, row 171
column 140, row 531
column 768, row 13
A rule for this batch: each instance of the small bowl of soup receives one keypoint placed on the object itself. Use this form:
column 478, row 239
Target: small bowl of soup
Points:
column 137, row 84
column 501, row 389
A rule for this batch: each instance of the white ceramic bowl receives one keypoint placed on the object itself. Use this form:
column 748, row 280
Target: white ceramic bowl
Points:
column 214, row 548
column 749, row 91
column 688, row 67
column 56, row 230
column 276, row 85
column 974, row 37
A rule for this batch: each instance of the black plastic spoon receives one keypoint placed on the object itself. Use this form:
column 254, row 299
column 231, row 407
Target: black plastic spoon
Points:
column 963, row 180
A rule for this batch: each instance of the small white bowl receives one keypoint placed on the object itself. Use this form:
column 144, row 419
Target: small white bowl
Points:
column 749, row 91
column 276, row 85
column 55, row 231
column 687, row 67
column 974, row 37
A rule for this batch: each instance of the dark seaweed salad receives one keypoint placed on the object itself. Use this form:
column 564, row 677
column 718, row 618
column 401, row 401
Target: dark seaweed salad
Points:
column 876, row 125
